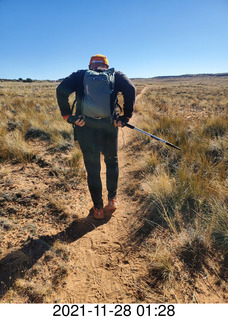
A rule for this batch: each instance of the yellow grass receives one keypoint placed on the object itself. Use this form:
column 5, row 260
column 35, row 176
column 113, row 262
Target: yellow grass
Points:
column 29, row 110
column 186, row 187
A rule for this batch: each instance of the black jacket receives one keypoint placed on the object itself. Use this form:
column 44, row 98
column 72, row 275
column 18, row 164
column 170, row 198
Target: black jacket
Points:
column 74, row 83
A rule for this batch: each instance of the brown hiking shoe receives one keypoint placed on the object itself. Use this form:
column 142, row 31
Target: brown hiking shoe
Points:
column 98, row 213
column 112, row 204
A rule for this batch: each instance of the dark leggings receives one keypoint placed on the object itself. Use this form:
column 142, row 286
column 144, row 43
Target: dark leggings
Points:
column 92, row 142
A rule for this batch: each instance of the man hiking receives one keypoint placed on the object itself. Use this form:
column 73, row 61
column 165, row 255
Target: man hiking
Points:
column 96, row 122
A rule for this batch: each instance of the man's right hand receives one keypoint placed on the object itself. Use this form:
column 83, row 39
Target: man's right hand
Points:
column 76, row 120
column 80, row 122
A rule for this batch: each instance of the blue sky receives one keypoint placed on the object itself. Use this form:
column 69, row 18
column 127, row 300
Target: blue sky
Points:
column 49, row 39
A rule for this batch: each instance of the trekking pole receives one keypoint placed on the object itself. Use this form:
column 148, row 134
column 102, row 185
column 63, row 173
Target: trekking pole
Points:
column 154, row 137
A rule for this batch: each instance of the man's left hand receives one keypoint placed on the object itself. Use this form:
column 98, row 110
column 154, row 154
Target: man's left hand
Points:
column 121, row 121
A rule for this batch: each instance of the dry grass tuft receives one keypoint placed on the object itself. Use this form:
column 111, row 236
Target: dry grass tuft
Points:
column 33, row 292
column 60, row 274
column 161, row 269
column 193, row 250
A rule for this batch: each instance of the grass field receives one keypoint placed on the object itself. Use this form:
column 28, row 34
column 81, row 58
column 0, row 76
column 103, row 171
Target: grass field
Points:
column 184, row 192
column 182, row 196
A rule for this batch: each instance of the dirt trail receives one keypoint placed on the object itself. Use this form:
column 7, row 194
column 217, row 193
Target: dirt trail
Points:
column 102, row 269
column 99, row 264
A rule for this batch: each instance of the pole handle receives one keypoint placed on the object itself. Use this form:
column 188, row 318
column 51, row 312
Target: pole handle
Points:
column 130, row 126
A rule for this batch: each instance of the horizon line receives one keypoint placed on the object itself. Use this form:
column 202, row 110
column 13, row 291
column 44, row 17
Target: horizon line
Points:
column 28, row 79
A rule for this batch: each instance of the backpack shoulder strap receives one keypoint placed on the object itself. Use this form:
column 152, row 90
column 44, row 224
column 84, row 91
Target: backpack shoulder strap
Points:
column 111, row 73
